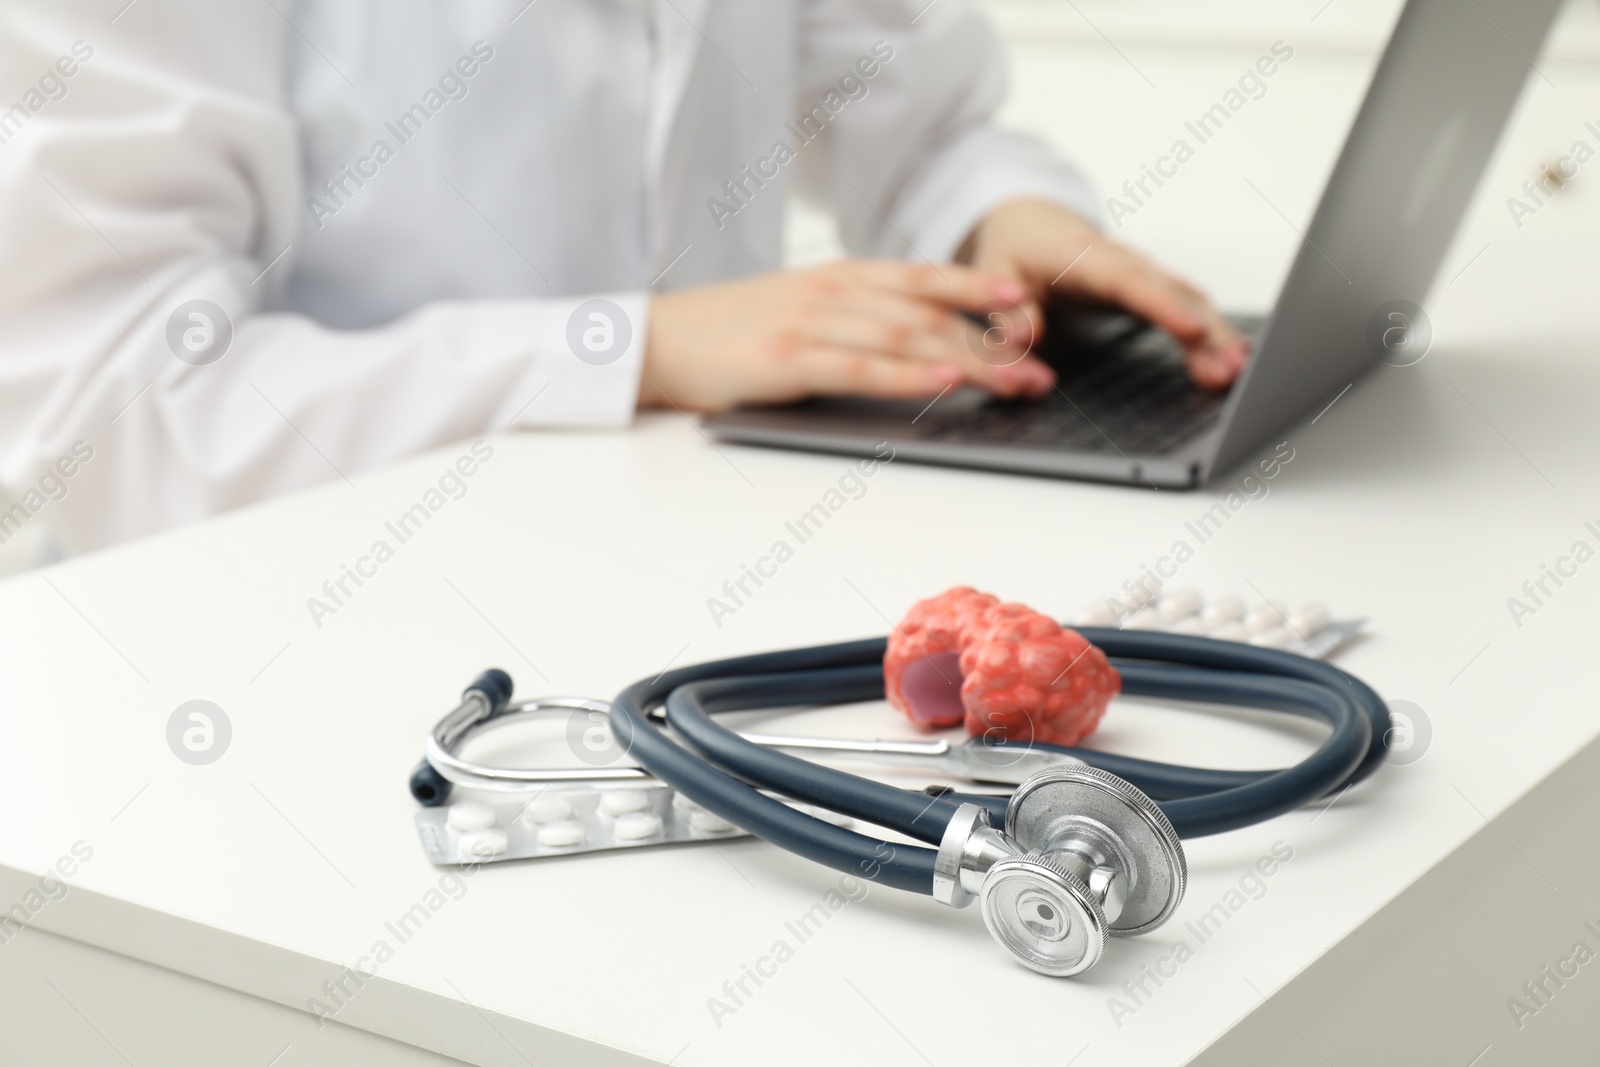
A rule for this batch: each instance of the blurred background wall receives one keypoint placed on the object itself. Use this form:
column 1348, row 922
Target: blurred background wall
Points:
column 1112, row 83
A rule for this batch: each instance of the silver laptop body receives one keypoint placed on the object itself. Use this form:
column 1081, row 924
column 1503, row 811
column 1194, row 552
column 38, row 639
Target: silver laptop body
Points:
column 1124, row 410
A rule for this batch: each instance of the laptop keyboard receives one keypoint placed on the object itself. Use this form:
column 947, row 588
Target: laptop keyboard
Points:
column 1134, row 397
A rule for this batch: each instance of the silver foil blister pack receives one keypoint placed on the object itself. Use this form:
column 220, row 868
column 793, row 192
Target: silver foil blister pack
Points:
column 564, row 821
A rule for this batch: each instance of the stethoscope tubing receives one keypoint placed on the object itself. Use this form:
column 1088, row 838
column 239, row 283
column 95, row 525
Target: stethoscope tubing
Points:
column 690, row 707
column 718, row 773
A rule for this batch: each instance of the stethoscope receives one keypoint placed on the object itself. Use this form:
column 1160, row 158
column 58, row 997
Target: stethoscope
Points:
column 1087, row 845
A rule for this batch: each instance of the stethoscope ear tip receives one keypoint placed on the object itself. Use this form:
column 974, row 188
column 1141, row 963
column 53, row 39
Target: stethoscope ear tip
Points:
column 428, row 787
column 495, row 685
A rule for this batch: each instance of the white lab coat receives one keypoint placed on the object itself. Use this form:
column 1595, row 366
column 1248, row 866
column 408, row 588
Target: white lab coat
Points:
column 550, row 153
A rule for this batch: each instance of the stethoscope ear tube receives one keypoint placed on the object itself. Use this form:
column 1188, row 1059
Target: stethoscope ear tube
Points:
column 1230, row 655
column 1262, row 796
column 1331, row 767
column 907, row 867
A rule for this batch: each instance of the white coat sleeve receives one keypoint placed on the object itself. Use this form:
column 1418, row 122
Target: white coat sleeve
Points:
column 164, row 170
column 911, row 166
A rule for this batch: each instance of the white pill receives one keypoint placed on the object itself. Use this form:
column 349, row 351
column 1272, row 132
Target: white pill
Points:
column 468, row 815
column 709, row 822
column 1279, row 638
column 1190, row 625
column 1266, row 617
column 482, row 844
column 1309, row 619
column 1233, row 631
column 1096, row 614
column 1145, row 619
column 636, row 826
column 623, row 801
column 1222, row 611
column 547, row 809
column 1180, row 605
column 561, row 834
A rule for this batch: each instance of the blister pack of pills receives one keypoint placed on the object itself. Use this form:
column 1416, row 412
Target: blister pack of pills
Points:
column 562, row 821
column 1309, row 630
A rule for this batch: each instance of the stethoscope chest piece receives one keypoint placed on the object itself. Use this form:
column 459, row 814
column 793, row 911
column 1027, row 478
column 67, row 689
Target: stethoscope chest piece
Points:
column 1044, row 916
column 1085, row 855
column 1108, row 833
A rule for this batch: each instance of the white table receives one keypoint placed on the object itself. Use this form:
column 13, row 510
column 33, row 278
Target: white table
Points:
column 1423, row 498
column 218, row 899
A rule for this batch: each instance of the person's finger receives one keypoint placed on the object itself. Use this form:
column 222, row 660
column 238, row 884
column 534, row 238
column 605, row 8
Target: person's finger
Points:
column 1001, row 343
column 1008, row 364
column 1216, row 365
column 950, row 284
column 902, row 319
column 1214, row 351
column 1024, row 326
column 1218, row 358
column 1014, row 333
column 840, row 370
column 873, row 333
column 899, row 327
column 1125, row 279
column 1016, row 329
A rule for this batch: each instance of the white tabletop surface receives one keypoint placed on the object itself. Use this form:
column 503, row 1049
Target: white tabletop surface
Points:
column 1422, row 499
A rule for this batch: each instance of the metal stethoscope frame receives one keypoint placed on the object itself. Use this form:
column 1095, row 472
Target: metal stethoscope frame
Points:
column 477, row 715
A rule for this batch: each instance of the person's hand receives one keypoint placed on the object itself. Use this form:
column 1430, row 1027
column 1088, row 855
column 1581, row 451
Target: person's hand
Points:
column 859, row 327
column 1050, row 249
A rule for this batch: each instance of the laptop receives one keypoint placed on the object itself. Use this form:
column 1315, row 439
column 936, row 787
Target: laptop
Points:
column 1125, row 410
